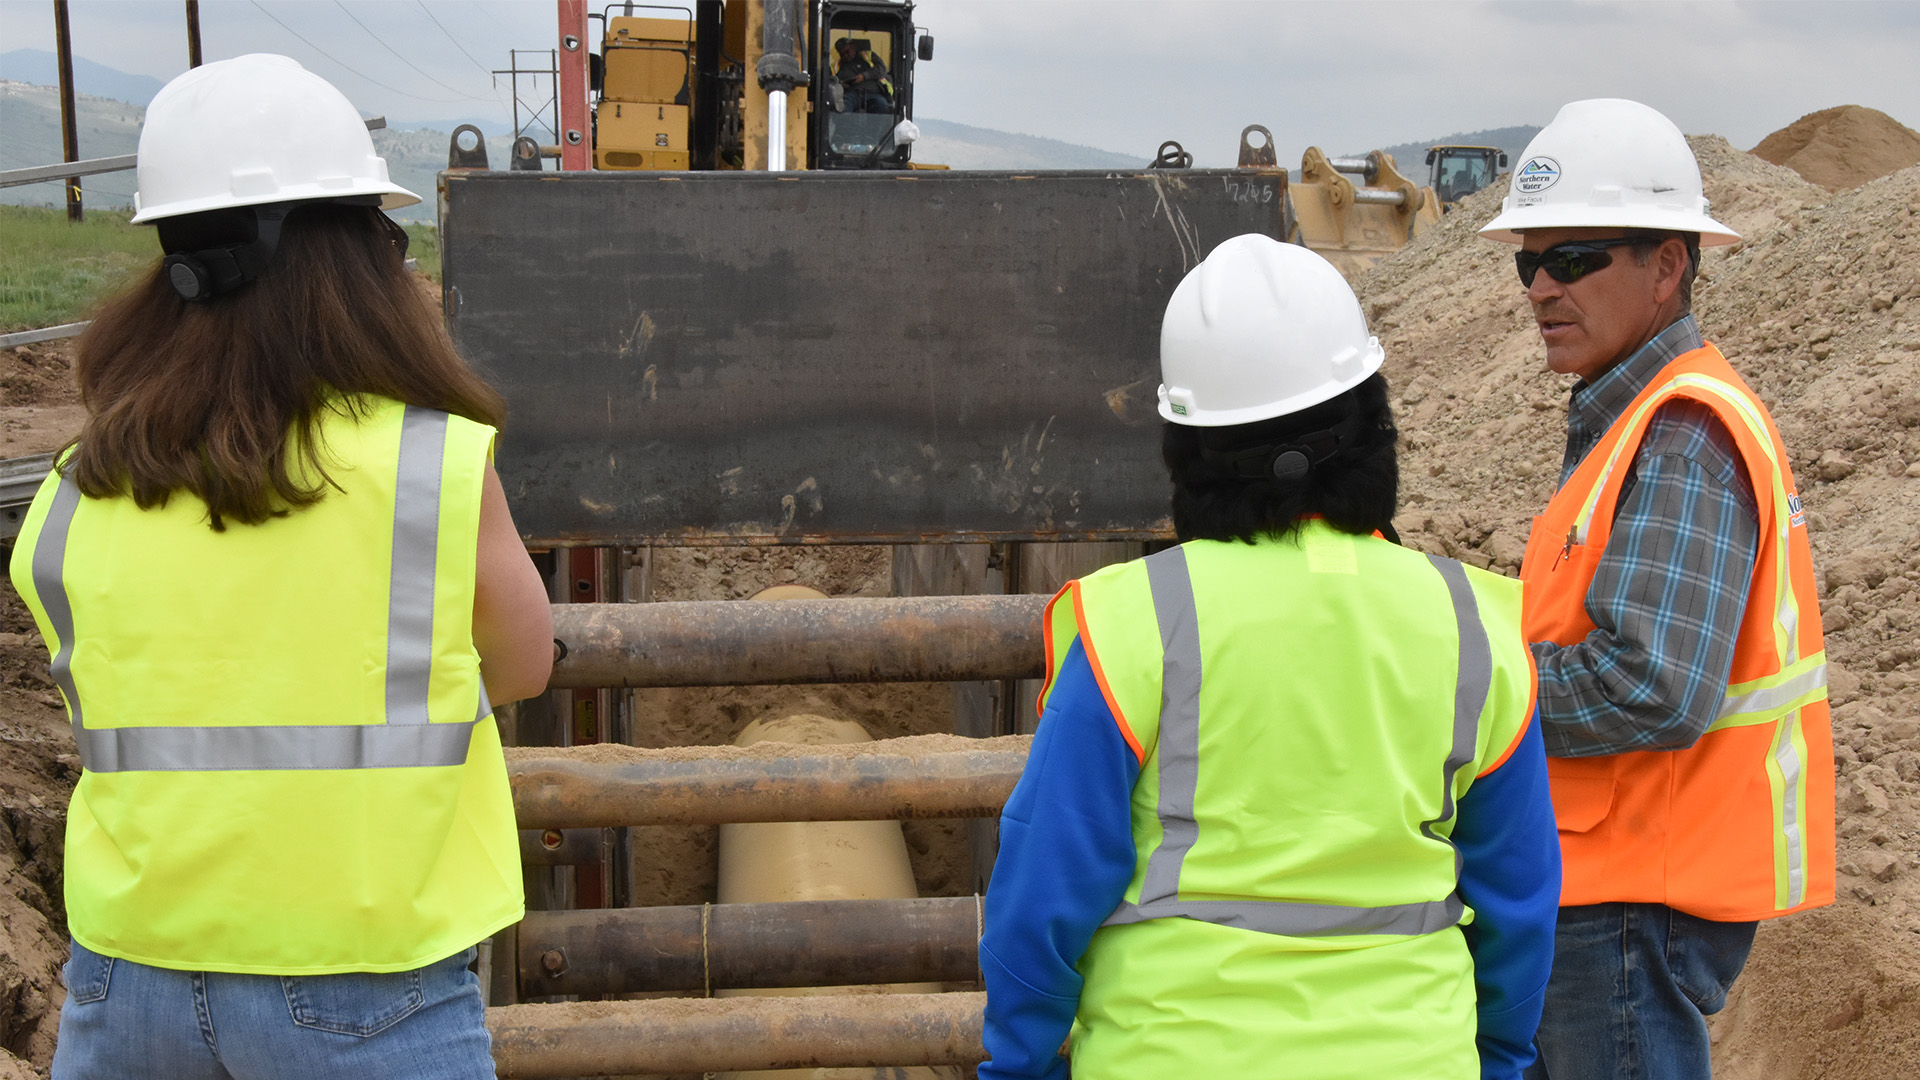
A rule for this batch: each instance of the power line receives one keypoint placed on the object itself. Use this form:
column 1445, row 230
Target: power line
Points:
column 337, row 60
column 396, row 54
column 450, row 37
column 496, row 19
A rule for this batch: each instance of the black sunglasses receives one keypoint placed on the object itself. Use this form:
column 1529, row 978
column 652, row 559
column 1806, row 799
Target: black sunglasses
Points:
column 1569, row 262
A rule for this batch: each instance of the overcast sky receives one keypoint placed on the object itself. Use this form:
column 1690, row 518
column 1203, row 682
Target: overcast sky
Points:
column 1125, row 74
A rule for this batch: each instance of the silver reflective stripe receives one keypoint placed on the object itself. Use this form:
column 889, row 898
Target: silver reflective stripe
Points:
column 1472, row 682
column 416, row 544
column 1178, row 753
column 1774, row 698
column 49, row 580
column 1301, row 920
column 405, row 740
column 332, row 746
column 1788, row 759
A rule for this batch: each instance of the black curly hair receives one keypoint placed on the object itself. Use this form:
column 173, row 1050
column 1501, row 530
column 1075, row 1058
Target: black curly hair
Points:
column 1356, row 489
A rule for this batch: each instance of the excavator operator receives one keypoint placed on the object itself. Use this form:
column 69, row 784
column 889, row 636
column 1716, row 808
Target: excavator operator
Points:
column 862, row 76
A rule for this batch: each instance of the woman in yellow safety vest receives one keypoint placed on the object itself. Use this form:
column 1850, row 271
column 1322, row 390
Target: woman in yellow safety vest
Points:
column 281, row 591
column 1286, row 812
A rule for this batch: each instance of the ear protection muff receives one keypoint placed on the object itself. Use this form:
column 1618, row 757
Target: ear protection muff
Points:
column 1289, row 461
column 188, row 276
column 201, row 273
column 1290, row 464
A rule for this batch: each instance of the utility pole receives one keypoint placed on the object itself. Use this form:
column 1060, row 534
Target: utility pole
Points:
column 193, row 33
column 69, row 132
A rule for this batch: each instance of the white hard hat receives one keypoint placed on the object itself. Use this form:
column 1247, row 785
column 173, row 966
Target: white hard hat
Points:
column 1607, row 163
column 252, row 130
column 1260, row 329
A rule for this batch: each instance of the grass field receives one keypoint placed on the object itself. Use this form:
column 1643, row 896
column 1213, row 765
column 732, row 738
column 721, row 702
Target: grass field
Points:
column 52, row 271
column 423, row 247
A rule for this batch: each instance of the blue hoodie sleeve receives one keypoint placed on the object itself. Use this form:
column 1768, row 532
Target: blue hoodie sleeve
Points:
column 1066, row 856
column 1510, row 876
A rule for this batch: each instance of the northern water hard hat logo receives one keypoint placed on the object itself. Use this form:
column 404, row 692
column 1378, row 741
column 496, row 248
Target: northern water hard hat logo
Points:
column 1178, row 408
column 1537, row 175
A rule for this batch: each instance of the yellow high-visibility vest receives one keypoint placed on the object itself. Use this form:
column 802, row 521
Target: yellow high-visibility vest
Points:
column 1307, row 714
column 289, row 763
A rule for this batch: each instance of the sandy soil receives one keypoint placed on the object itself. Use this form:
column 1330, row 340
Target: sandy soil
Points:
column 1842, row 147
column 37, row 771
column 1817, row 307
column 39, row 405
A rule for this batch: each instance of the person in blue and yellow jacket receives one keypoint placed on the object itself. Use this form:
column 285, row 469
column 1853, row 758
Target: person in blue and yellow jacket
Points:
column 1286, row 812
column 282, row 591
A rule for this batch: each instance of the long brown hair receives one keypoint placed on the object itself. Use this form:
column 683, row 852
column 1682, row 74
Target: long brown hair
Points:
column 223, row 398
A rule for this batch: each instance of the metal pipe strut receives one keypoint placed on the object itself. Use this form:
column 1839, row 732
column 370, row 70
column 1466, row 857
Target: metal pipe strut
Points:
column 1364, row 166
column 606, row 786
column 698, row 1035
column 732, row 643
column 1379, row 197
column 740, row 946
column 40, row 174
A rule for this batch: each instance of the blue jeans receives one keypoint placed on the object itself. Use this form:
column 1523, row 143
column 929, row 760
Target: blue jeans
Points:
column 1632, row 987
column 123, row 1019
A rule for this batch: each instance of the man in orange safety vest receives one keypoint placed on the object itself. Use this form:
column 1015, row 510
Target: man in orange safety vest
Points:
column 1671, row 608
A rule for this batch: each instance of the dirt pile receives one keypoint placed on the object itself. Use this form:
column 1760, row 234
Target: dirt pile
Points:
column 1819, row 309
column 39, row 403
column 1842, row 147
column 37, row 771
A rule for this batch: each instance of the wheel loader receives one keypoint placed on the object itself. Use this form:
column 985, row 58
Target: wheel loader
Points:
column 1457, row 170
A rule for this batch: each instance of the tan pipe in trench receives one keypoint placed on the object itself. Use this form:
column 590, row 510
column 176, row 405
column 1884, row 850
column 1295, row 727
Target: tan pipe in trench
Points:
column 817, row 860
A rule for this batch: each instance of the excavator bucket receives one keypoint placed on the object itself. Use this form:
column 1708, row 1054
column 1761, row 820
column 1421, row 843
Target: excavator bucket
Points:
column 832, row 357
column 1357, row 225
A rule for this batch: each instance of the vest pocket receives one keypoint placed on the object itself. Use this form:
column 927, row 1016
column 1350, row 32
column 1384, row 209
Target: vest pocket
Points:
column 357, row 1003
column 1581, row 802
column 87, row 974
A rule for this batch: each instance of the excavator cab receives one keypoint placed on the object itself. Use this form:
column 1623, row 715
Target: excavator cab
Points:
column 862, row 67
column 1458, row 171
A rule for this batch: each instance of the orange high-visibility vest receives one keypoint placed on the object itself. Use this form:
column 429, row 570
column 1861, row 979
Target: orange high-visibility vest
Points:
column 1738, row 826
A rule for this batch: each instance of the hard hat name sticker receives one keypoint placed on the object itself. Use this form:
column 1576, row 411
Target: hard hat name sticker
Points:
column 1537, row 175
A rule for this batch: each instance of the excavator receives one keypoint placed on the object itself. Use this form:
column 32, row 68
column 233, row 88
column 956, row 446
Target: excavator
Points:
column 788, row 333
column 668, row 84
column 670, row 89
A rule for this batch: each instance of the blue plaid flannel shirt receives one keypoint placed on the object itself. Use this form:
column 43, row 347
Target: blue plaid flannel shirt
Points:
column 1671, row 587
